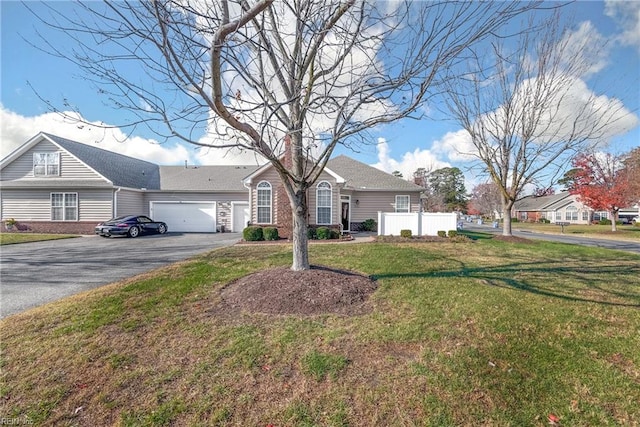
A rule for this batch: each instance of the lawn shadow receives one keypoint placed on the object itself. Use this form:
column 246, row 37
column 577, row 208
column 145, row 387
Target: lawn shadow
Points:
column 616, row 284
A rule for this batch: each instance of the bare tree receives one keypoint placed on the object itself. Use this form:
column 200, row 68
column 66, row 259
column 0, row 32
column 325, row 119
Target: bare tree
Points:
column 285, row 79
column 485, row 200
column 532, row 113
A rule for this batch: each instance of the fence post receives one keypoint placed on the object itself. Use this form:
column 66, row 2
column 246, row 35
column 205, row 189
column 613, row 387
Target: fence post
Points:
column 380, row 223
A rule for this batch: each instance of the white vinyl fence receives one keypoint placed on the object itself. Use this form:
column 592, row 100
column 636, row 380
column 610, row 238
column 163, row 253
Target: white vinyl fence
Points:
column 420, row 224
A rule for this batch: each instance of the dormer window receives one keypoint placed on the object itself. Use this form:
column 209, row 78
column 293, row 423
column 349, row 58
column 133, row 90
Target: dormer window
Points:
column 46, row 164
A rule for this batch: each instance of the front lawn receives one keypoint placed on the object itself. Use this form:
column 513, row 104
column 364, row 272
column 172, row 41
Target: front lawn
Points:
column 14, row 238
column 624, row 231
column 481, row 333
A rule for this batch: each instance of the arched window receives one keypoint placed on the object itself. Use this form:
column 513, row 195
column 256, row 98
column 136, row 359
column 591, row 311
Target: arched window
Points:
column 323, row 203
column 264, row 202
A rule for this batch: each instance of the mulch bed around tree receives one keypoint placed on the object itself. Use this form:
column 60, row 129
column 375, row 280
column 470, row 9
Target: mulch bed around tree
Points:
column 282, row 291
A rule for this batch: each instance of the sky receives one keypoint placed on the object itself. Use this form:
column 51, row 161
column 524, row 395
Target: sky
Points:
column 29, row 75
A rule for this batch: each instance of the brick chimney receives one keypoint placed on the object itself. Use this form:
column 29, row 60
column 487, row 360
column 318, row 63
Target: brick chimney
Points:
column 284, row 218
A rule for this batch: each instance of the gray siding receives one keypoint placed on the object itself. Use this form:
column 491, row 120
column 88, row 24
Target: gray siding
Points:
column 35, row 205
column 367, row 204
column 70, row 167
column 129, row 203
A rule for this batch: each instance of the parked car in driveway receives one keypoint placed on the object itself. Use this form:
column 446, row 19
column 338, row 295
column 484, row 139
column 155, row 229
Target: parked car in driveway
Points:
column 130, row 225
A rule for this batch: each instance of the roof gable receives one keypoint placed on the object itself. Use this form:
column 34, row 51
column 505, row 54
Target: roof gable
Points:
column 362, row 177
column 532, row 203
column 356, row 175
column 121, row 170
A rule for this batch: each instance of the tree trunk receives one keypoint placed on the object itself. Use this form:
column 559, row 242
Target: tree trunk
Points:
column 614, row 218
column 506, row 217
column 300, row 237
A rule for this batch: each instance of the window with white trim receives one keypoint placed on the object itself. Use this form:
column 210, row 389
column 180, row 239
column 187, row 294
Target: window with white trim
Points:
column 64, row 206
column 46, row 164
column 323, row 203
column 585, row 215
column 264, row 202
column 571, row 213
column 402, row 204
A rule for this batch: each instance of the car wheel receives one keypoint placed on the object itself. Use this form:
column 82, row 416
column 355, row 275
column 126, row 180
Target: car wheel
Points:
column 162, row 229
column 134, row 232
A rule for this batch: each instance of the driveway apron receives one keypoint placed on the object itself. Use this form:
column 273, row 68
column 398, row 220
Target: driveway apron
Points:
column 33, row 274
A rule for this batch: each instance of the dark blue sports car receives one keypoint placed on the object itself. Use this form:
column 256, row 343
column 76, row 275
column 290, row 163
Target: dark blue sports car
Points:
column 130, row 225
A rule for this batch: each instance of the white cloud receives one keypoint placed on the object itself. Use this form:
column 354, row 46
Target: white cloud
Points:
column 410, row 161
column 627, row 14
column 565, row 110
column 455, row 146
column 586, row 46
column 16, row 129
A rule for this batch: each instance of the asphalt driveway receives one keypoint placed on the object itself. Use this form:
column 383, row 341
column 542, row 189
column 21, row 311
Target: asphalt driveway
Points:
column 36, row 273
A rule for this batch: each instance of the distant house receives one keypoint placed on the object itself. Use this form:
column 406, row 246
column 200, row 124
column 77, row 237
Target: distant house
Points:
column 561, row 207
column 564, row 207
column 52, row 184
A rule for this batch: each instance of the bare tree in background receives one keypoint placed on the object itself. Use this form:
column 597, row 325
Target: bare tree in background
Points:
column 532, row 113
column 284, row 79
column 485, row 200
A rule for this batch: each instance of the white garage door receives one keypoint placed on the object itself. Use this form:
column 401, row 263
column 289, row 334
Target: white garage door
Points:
column 240, row 216
column 186, row 217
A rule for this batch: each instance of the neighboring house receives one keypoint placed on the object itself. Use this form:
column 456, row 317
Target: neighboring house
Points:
column 52, row 184
column 561, row 207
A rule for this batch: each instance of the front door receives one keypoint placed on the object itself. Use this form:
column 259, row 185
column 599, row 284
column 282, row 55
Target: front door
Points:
column 345, row 212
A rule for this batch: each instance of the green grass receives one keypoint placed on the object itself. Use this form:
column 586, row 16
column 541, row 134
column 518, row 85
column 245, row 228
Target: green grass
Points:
column 624, row 232
column 14, row 238
column 477, row 333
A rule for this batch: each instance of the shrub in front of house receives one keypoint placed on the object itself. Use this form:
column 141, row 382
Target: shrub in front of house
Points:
column 323, row 233
column 253, row 234
column 544, row 221
column 311, row 234
column 452, row 233
column 515, row 220
column 442, row 233
column 405, row 233
column 270, row 233
column 369, row 225
column 604, row 222
column 335, row 234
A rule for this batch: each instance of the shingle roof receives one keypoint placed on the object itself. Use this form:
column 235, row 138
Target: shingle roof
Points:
column 123, row 171
column 360, row 176
column 204, row 178
column 532, row 203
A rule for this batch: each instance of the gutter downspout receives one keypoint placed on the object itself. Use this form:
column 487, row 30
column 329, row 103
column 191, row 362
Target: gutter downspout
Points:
column 247, row 185
column 115, row 202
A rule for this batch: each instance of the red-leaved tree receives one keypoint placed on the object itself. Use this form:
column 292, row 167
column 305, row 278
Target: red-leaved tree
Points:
column 602, row 183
